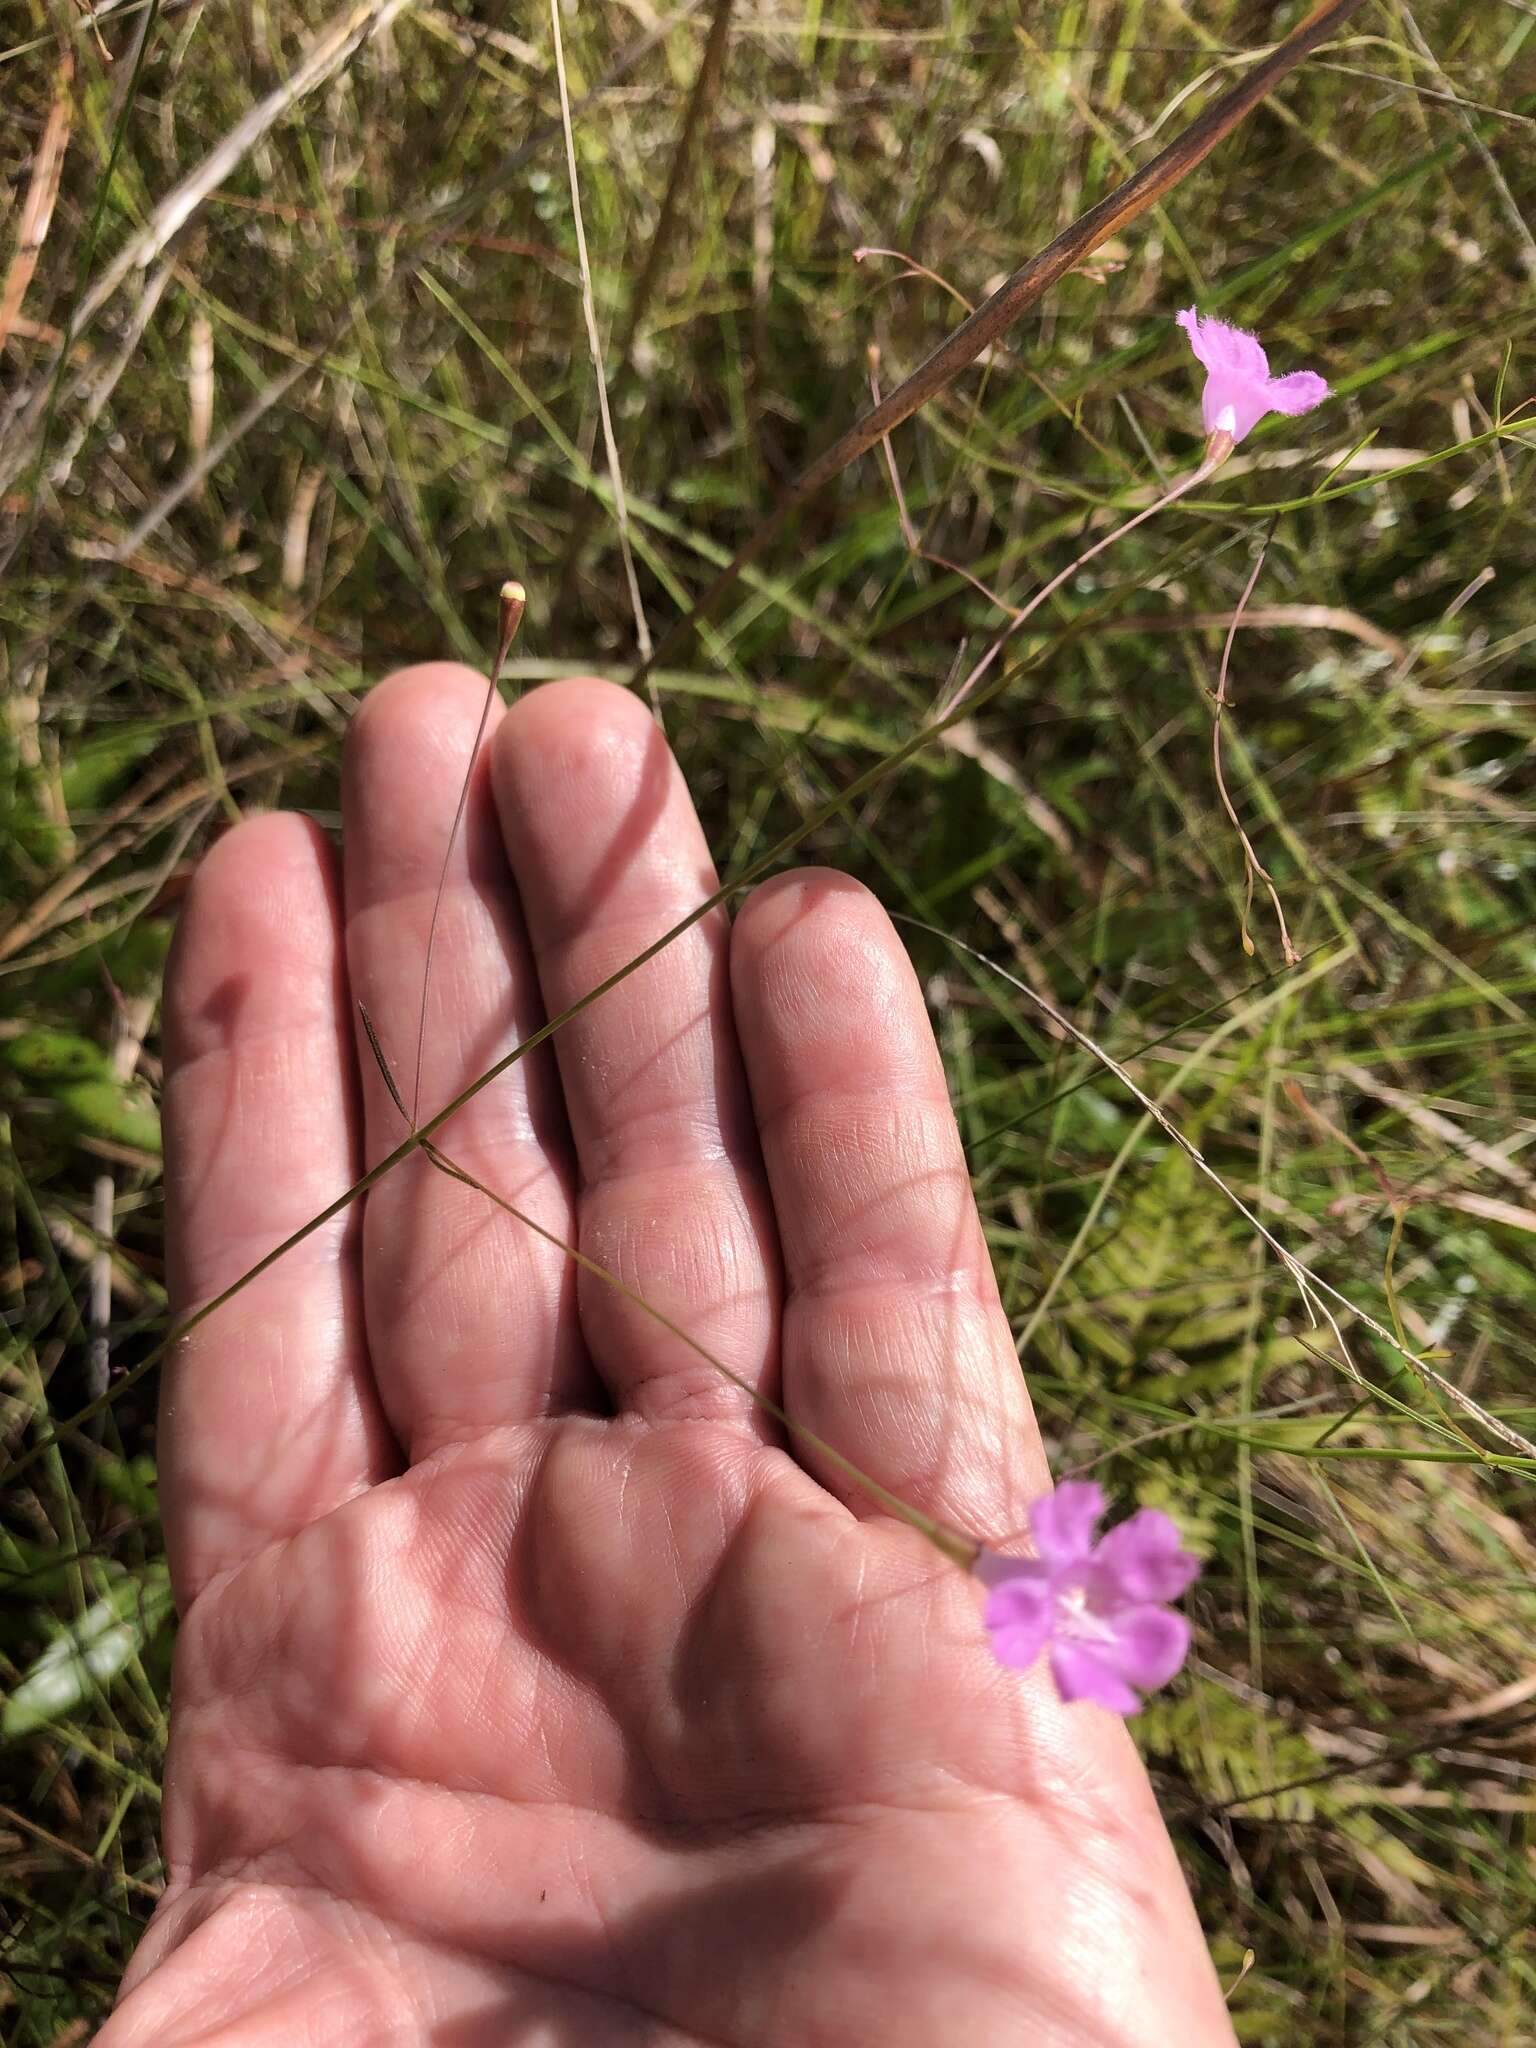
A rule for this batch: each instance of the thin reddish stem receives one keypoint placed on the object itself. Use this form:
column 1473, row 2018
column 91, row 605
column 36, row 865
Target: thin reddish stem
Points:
column 514, row 600
column 1254, row 868
column 1217, row 449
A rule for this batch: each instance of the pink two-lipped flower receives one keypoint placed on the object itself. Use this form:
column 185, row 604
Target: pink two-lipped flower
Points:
column 1097, row 1604
column 1238, row 387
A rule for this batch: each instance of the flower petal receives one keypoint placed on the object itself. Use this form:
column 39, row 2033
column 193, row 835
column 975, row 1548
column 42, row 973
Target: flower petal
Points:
column 1064, row 1521
column 1298, row 392
column 1018, row 1615
column 1150, row 1644
column 1082, row 1673
column 1224, row 348
column 1146, row 1647
column 1141, row 1559
column 995, row 1568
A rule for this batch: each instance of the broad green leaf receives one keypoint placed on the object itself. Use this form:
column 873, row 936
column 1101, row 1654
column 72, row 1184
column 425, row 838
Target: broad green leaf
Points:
column 106, row 1109
column 48, row 1056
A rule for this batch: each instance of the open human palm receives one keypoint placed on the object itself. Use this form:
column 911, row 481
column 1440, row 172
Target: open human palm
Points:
column 534, row 1684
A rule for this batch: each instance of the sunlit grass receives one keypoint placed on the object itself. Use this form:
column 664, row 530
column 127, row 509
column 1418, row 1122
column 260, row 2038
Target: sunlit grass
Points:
column 1349, row 1767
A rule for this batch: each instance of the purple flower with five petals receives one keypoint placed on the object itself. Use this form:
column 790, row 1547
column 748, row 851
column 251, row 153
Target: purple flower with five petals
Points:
column 1238, row 387
column 1098, row 1606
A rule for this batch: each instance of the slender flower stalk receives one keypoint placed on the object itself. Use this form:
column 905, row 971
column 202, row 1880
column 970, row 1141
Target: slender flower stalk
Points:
column 1253, row 868
column 513, row 603
column 1217, row 449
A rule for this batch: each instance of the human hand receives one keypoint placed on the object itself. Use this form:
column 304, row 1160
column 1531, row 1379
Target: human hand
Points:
column 533, row 1685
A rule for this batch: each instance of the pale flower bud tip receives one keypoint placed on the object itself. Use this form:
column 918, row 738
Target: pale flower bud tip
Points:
column 514, row 601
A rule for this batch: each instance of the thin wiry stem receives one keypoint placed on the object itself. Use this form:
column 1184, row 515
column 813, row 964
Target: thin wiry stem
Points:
column 909, row 533
column 595, row 344
column 962, row 1550
column 1311, row 1286
column 514, row 601
column 1218, row 448
column 706, row 79
column 1254, row 869
column 45, row 402
column 42, row 194
column 914, row 269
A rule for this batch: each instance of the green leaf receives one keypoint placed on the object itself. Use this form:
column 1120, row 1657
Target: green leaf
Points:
column 30, row 1570
column 97, row 767
column 133, row 1481
column 108, row 1109
column 1229, row 1752
column 48, row 1056
column 89, row 1654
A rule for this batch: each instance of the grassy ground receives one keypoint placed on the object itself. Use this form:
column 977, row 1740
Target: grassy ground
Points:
column 1350, row 1764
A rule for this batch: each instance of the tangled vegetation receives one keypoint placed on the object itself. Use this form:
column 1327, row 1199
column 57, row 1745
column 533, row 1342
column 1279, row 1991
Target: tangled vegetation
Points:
column 258, row 449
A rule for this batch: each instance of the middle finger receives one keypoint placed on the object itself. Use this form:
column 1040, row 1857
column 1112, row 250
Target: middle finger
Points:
column 609, row 854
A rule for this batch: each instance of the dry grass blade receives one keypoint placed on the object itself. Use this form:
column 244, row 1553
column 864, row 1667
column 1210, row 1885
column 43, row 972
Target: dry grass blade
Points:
column 1018, row 292
column 42, row 192
column 706, row 79
column 196, row 473
column 46, row 909
column 97, row 384
column 595, row 343
column 330, row 50
column 514, row 602
column 960, row 1549
column 1253, row 868
column 1438, row 1127
column 1305, row 618
column 61, row 1847
column 199, row 387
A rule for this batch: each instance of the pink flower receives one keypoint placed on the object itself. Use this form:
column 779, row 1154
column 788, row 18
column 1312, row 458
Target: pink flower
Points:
column 1238, row 387
column 1098, row 1606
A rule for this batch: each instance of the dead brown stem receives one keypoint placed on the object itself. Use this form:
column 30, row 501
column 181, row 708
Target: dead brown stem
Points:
column 42, row 191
